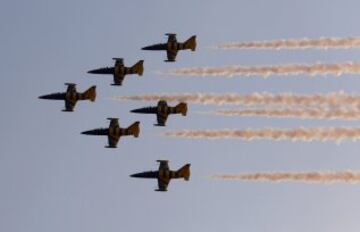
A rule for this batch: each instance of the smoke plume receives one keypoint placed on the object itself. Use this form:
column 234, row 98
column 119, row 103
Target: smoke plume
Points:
column 338, row 99
column 304, row 113
column 336, row 134
column 265, row 71
column 321, row 43
column 306, row 177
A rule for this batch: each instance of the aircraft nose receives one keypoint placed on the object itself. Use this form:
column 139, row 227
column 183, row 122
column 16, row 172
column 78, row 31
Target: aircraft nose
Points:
column 89, row 132
column 106, row 70
column 136, row 111
column 94, row 71
column 135, row 175
column 48, row 96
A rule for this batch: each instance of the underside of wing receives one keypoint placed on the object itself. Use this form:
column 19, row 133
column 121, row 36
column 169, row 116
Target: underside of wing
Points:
column 113, row 141
column 114, row 122
column 70, row 87
column 163, row 184
column 171, row 37
column 70, row 105
column 119, row 61
column 118, row 80
column 164, row 165
column 171, row 55
column 161, row 119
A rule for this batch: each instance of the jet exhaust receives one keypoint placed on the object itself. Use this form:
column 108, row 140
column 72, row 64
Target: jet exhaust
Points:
column 305, row 43
column 350, row 177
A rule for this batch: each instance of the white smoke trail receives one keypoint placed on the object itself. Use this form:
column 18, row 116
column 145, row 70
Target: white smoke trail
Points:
column 307, row 177
column 265, row 71
column 321, row 43
column 338, row 99
column 305, row 113
column 336, row 134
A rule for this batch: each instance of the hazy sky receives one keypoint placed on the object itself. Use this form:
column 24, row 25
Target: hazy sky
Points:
column 52, row 178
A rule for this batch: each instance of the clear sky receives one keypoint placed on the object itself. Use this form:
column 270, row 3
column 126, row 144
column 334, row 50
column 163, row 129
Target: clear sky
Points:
column 52, row 178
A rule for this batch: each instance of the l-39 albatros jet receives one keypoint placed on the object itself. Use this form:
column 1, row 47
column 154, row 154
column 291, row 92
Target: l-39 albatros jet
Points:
column 164, row 174
column 162, row 111
column 114, row 132
column 173, row 46
column 119, row 70
column 71, row 96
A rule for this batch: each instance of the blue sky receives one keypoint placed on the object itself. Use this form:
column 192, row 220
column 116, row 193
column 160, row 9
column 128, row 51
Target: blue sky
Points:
column 54, row 179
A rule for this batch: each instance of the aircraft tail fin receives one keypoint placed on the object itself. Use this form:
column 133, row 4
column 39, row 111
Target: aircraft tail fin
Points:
column 134, row 129
column 138, row 68
column 190, row 43
column 181, row 108
column 90, row 94
column 184, row 172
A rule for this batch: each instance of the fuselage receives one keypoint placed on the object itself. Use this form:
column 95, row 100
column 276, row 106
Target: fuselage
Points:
column 72, row 96
column 169, row 46
column 161, row 174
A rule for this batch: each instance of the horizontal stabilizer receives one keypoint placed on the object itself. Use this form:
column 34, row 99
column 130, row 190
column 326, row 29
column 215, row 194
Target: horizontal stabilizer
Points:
column 190, row 43
column 181, row 108
column 138, row 68
column 90, row 94
column 184, row 172
column 134, row 129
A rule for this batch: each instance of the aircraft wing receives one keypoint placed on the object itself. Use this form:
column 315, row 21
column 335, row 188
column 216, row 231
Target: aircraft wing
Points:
column 113, row 141
column 118, row 80
column 114, row 122
column 161, row 119
column 163, row 184
column 70, row 105
column 119, row 61
column 171, row 55
column 164, row 165
column 70, row 87
column 171, row 37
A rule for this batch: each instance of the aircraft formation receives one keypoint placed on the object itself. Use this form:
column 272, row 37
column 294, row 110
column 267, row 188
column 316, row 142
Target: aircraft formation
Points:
column 162, row 110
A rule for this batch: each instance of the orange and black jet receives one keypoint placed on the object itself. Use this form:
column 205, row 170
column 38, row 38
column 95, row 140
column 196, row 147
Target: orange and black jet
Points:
column 114, row 132
column 162, row 111
column 173, row 46
column 71, row 96
column 164, row 174
column 119, row 70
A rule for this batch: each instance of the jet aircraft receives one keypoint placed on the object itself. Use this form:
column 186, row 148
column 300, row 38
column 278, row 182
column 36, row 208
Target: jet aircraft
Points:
column 173, row 46
column 162, row 111
column 114, row 132
column 119, row 70
column 164, row 174
column 71, row 96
